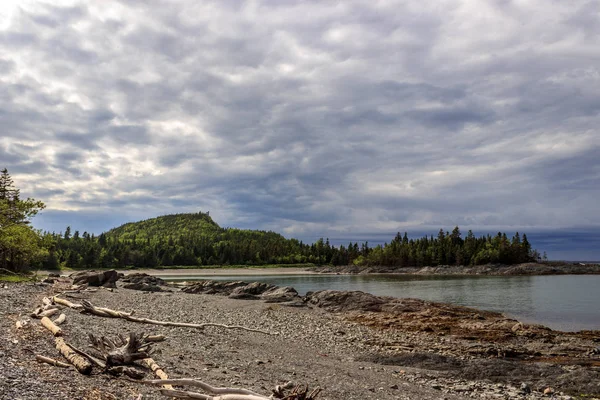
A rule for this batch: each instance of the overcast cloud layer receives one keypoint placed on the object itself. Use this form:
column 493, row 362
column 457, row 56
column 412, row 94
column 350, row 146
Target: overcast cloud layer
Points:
column 350, row 119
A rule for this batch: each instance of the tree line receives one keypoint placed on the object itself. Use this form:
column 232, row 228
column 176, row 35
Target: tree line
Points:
column 152, row 243
column 194, row 239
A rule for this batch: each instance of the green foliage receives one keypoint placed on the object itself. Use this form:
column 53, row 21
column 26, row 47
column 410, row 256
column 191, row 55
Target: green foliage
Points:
column 177, row 240
column 450, row 249
column 20, row 245
column 195, row 240
column 16, row 278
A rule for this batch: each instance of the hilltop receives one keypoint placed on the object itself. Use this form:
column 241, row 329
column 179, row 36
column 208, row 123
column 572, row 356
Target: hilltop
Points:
column 191, row 239
column 173, row 225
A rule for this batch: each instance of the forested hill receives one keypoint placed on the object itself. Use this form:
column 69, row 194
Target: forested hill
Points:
column 173, row 240
column 173, row 225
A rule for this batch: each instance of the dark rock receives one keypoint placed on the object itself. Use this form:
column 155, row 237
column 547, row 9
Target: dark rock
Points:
column 279, row 294
column 53, row 275
column 251, row 291
column 213, row 287
column 337, row 301
column 145, row 282
column 96, row 278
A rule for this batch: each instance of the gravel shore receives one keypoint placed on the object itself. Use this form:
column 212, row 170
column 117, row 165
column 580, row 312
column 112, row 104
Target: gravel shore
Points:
column 339, row 352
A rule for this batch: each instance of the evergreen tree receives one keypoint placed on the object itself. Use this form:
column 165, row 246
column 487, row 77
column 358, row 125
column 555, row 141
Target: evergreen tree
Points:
column 20, row 245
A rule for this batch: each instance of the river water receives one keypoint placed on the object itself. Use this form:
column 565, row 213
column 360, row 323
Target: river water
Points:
column 563, row 302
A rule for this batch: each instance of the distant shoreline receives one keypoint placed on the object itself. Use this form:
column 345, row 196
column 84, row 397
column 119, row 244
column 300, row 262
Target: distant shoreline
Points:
column 489, row 269
column 222, row 271
column 529, row 269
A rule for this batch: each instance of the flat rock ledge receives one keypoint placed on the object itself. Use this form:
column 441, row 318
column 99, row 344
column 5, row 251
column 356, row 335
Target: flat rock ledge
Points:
column 143, row 282
column 250, row 291
column 96, row 278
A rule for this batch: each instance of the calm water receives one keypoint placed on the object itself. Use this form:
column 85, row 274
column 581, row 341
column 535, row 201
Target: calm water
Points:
column 567, row 302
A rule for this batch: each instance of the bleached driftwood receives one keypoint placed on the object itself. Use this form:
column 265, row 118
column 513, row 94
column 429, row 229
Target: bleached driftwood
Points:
column 182, row 394
column 41, row 313
column 82, row 364
column 223, row 393
column 51, row 361
column 108, row 313
column 156, row 338
column 49, row 312
column 226, row 393
column 154, row 367
column 61, row 319
column 48, row 324
column 67, row 303
column 46, row 310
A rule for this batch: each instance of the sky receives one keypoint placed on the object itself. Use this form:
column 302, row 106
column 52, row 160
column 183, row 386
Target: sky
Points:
column 351, row 120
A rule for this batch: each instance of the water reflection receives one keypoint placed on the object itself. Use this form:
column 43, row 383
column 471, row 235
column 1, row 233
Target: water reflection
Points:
column 568, row 302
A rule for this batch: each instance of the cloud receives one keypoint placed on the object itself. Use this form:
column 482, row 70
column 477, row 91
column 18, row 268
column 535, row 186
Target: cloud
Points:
column 308, row 118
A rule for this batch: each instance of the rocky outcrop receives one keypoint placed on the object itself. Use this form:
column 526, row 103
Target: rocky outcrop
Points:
column 213, row 287
column 96, row 278
column 144, row 282
column 250, row 291
column 280, row 295
column 337, row 301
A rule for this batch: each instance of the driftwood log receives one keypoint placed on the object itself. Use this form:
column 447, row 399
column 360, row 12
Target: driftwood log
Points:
column 48, row 324
column 51, row 361
column 61, row 319
column 82, row 364
column 154, row 367
column 88, row 307
column 226, row 393
column 66, row 303
column 41, row 313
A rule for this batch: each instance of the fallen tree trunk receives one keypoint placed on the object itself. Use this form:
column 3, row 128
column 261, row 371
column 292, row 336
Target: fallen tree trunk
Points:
column 82, row 365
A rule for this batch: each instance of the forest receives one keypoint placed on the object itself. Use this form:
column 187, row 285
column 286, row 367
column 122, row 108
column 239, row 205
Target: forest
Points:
column 194, row 239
